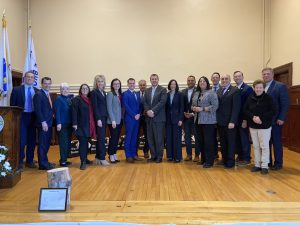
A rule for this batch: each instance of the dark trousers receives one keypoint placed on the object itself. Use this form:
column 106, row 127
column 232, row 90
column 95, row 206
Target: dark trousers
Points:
column 28, row 137
column 83, row 147
column 100, row 146
column 143, row 127
column 156, row 134
column 114, row 138
column 43, row 147
column 276, row 135
column 173, row 141
column 198, row 141
column 189, row 130
column 132, row 129
column 64, row 141
column 227, row 140
column 243, row 143
column 207, row 135
column 216, row 143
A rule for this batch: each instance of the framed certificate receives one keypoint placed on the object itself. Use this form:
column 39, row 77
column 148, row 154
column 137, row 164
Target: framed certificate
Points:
column 53, row 199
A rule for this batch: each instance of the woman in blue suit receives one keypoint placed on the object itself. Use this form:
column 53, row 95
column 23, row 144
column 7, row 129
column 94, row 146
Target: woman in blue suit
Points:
column 174, row 115
column 114, row 119
column 63, row 116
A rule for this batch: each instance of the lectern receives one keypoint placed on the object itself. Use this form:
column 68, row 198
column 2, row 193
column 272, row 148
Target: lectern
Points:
column 10, row 137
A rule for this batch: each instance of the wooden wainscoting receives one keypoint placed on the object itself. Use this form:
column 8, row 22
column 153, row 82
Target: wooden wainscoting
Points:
column 293, row 122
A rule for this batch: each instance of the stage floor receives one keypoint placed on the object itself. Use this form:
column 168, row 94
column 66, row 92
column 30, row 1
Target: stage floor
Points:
column 150, row 193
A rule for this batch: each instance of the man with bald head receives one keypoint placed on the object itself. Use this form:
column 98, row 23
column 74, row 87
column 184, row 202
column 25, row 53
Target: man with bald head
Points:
column 141, row 92
column 227, row 118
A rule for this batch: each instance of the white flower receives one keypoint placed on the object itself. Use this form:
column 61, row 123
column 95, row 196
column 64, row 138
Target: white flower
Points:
column 2, row 157
column 6, row 165
column 3, row 174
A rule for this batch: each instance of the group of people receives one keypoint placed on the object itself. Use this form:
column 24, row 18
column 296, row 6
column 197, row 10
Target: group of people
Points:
column 206, row 111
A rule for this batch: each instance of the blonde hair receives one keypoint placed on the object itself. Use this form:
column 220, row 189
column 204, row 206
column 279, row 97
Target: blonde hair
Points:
column 98, row 77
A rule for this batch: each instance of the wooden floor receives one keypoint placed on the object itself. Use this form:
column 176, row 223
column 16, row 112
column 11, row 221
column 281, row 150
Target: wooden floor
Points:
column 183, row 193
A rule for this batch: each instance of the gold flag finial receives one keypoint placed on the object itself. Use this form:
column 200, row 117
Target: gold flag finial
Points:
column 3, row 19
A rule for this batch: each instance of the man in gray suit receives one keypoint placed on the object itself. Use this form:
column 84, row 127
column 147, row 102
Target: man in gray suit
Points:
column 154, row 105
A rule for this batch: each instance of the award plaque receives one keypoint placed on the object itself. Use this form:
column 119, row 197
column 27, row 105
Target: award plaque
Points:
column 53, row 199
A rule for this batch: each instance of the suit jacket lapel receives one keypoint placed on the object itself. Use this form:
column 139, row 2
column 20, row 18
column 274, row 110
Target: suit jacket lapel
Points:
column 227, row 91
column 23, row 93
column 271, row 87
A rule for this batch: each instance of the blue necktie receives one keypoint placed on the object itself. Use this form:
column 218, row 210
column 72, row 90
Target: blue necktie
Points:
column 29, row 100
column 215, row 88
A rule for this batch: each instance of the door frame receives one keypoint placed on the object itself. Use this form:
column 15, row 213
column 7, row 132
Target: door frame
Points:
column 286, row 68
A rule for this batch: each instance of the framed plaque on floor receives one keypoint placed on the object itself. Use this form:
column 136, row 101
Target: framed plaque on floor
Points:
column 53, row 199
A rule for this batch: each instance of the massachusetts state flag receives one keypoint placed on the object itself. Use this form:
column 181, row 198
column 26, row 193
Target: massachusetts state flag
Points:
column 30, row 61
column 5, row 67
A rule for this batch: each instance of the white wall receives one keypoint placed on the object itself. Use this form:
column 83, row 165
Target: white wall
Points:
column 75, row 39
column 285, row 35
column 16, row 16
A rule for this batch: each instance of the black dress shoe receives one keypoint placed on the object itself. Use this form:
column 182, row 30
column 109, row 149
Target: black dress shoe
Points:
column 49, row 167
column 177, row 161
column 158, row 161
column 88, row 162
column 170, row 160
column 228, row 167
column 276, row 167
column 130, row 160
column 200, row 162
column 255, row 169
column 206, row 165
column 83, row 166
column 264, row 171
column 151, row 160
column 65, row 164
column 30, row 165
column 52, row 164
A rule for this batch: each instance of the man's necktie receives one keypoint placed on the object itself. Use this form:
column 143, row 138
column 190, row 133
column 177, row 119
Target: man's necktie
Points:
column 50, row 101
column 29, row 99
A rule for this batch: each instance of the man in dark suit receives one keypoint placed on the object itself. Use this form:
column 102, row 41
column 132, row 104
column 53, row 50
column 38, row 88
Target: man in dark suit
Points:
column 280, row 96
column 242, row 140
column 188, row 121
column 215, row 79
column 227, row 118
column 154, row 105
column 44, row 119
column 142, row 87
column 22, row 96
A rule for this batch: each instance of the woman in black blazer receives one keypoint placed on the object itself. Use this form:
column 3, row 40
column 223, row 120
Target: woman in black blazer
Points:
column 174, row 116
column 83, row 122
column 98, row 98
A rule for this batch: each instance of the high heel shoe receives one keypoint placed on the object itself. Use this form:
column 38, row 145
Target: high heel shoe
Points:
column 83, row 166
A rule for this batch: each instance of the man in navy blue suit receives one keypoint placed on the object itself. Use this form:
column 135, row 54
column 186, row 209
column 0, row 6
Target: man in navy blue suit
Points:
column 242, row 140
column 44, row 119
column 22, row 96
column 281, row 100
column 132, row 104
